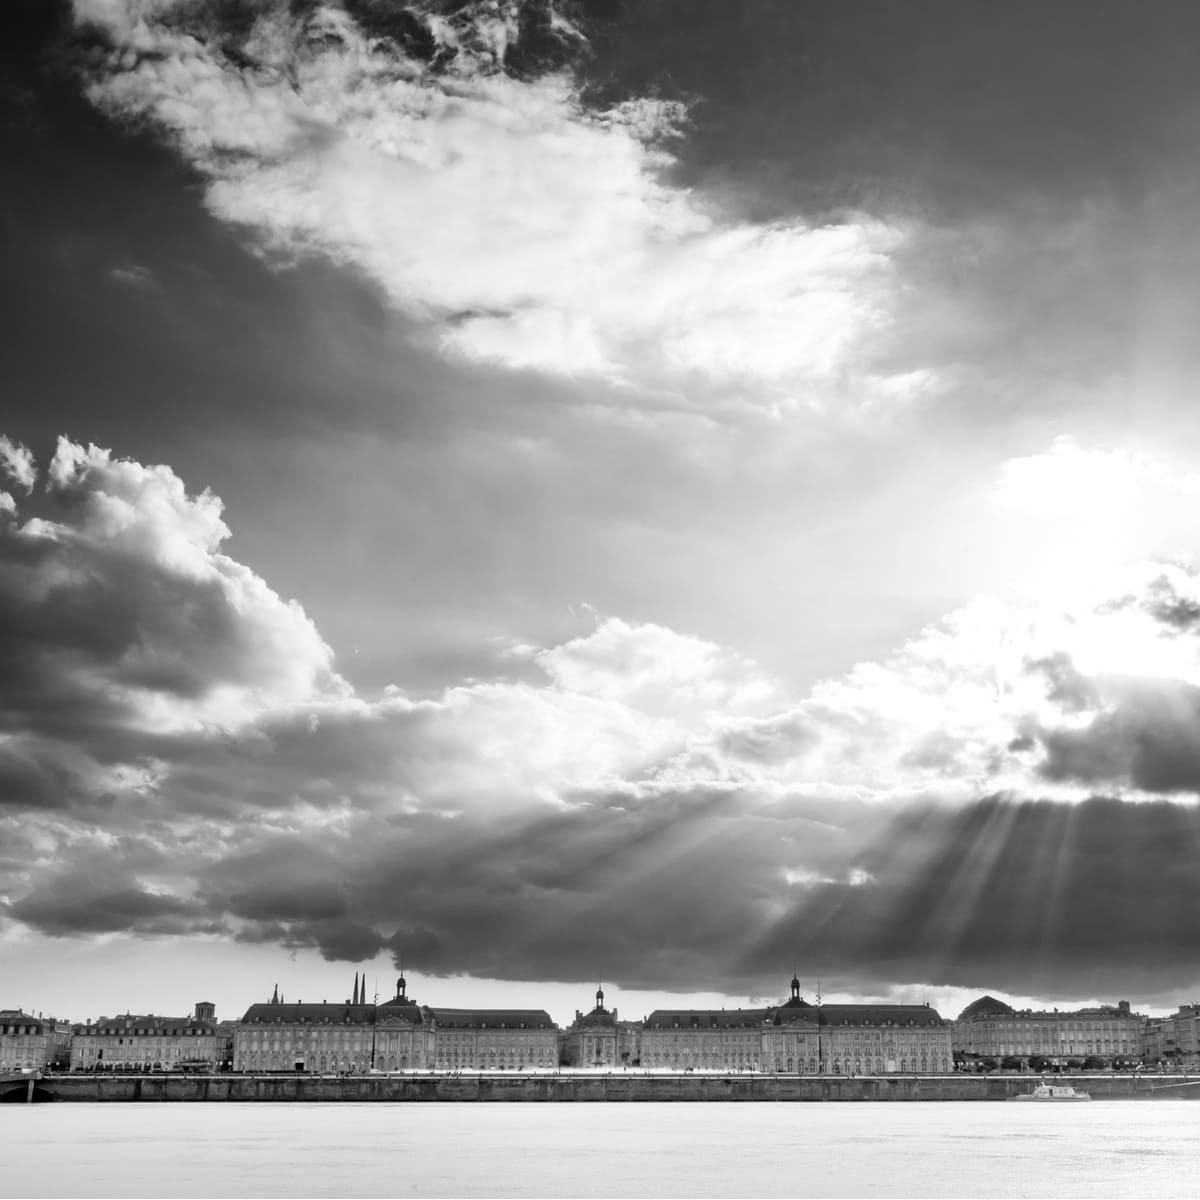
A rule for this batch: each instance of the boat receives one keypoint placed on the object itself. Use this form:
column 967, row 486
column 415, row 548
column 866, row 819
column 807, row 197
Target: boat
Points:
column 1051, row 1092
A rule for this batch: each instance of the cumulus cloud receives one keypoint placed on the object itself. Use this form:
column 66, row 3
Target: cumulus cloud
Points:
column 447, row 153
column 17, row 463
column 1070, row 481
column 657, row 670
column 115, row 601
column 179, row 756
column 1032, row 700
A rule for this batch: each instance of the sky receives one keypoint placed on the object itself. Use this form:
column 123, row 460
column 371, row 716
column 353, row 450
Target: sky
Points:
column 548, row 492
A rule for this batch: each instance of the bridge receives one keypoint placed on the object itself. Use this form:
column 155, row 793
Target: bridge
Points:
column 23, row 1087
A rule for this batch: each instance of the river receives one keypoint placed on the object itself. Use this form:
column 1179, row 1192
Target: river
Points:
column 1106, row 1148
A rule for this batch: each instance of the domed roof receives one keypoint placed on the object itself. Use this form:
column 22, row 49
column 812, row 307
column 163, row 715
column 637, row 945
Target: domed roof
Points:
column 597, row 1018
column 984, row 1006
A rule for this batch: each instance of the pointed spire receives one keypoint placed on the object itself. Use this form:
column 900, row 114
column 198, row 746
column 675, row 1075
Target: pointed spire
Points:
column 355, row 1000
column 275, row 995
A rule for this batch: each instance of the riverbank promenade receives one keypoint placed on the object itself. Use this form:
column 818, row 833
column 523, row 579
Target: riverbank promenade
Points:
column 570, row 1087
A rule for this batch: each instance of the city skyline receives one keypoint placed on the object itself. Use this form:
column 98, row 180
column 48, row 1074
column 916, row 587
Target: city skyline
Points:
column 549, row 493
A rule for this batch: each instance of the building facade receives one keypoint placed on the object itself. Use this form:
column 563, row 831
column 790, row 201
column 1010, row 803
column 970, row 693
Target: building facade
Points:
column 600, row 1039
column 353, row 1037
column 29, row 1043
column 704, row 1039
column 883, row 1039
column 151, row 1043
column 494, row 1039
column 1173, row 1040
column 399, row 1035
column 801, row 1038
column 1106, row 1036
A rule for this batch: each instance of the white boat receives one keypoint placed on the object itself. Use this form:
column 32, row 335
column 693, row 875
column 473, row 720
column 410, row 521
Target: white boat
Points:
column 1052, row 1092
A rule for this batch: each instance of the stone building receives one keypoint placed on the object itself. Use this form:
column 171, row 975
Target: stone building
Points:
column 601, row 1039
column 727, row 1039
column 398, row 1035
column 883, row 1039
column 801, row 1038
column 791, row 1041
column 29, row 1043
column 404, row 1033
column 1173, row 1040
column 151, row 1043
column 350, row 1037
column 991, row 1029
column 494, row 1039
column 856, row 1039
column 591, row 1039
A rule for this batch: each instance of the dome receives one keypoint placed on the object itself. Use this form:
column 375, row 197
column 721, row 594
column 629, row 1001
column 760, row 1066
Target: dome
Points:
column 983, row 1007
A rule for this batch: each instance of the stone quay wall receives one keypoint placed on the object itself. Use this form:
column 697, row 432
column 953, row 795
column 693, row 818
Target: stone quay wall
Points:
column 570, row 1088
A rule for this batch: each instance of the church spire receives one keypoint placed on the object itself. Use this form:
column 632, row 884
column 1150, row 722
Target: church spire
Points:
column 356, row 999
column 275, row 995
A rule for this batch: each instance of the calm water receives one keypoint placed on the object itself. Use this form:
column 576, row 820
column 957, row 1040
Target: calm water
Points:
column 1106, row 1148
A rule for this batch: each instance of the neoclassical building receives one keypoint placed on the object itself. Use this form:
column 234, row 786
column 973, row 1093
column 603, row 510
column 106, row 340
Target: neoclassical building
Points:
column 398, row 1035
column 401, row 1035
column 801, row 1038
column 151, row 1043
column 705, row 1039
column 989, row 1028
column 1173, row 1039
column 600, row 1039
column 353, row 1036
column 494, row 1039
column 32, row 1043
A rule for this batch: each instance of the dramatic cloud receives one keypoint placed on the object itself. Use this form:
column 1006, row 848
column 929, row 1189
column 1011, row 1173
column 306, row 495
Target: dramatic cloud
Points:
column 178, row 755
column 115, row 599
column 449, row 155
column 1053, row 900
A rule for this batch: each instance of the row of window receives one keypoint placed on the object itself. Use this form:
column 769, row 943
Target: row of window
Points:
column 113, row 1031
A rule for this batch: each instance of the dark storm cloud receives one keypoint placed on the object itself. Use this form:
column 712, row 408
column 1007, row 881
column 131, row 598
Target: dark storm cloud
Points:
column 96, row 894
column 1037, row 898
column 666, row 887
column 829, row 104
column 1150, row 738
